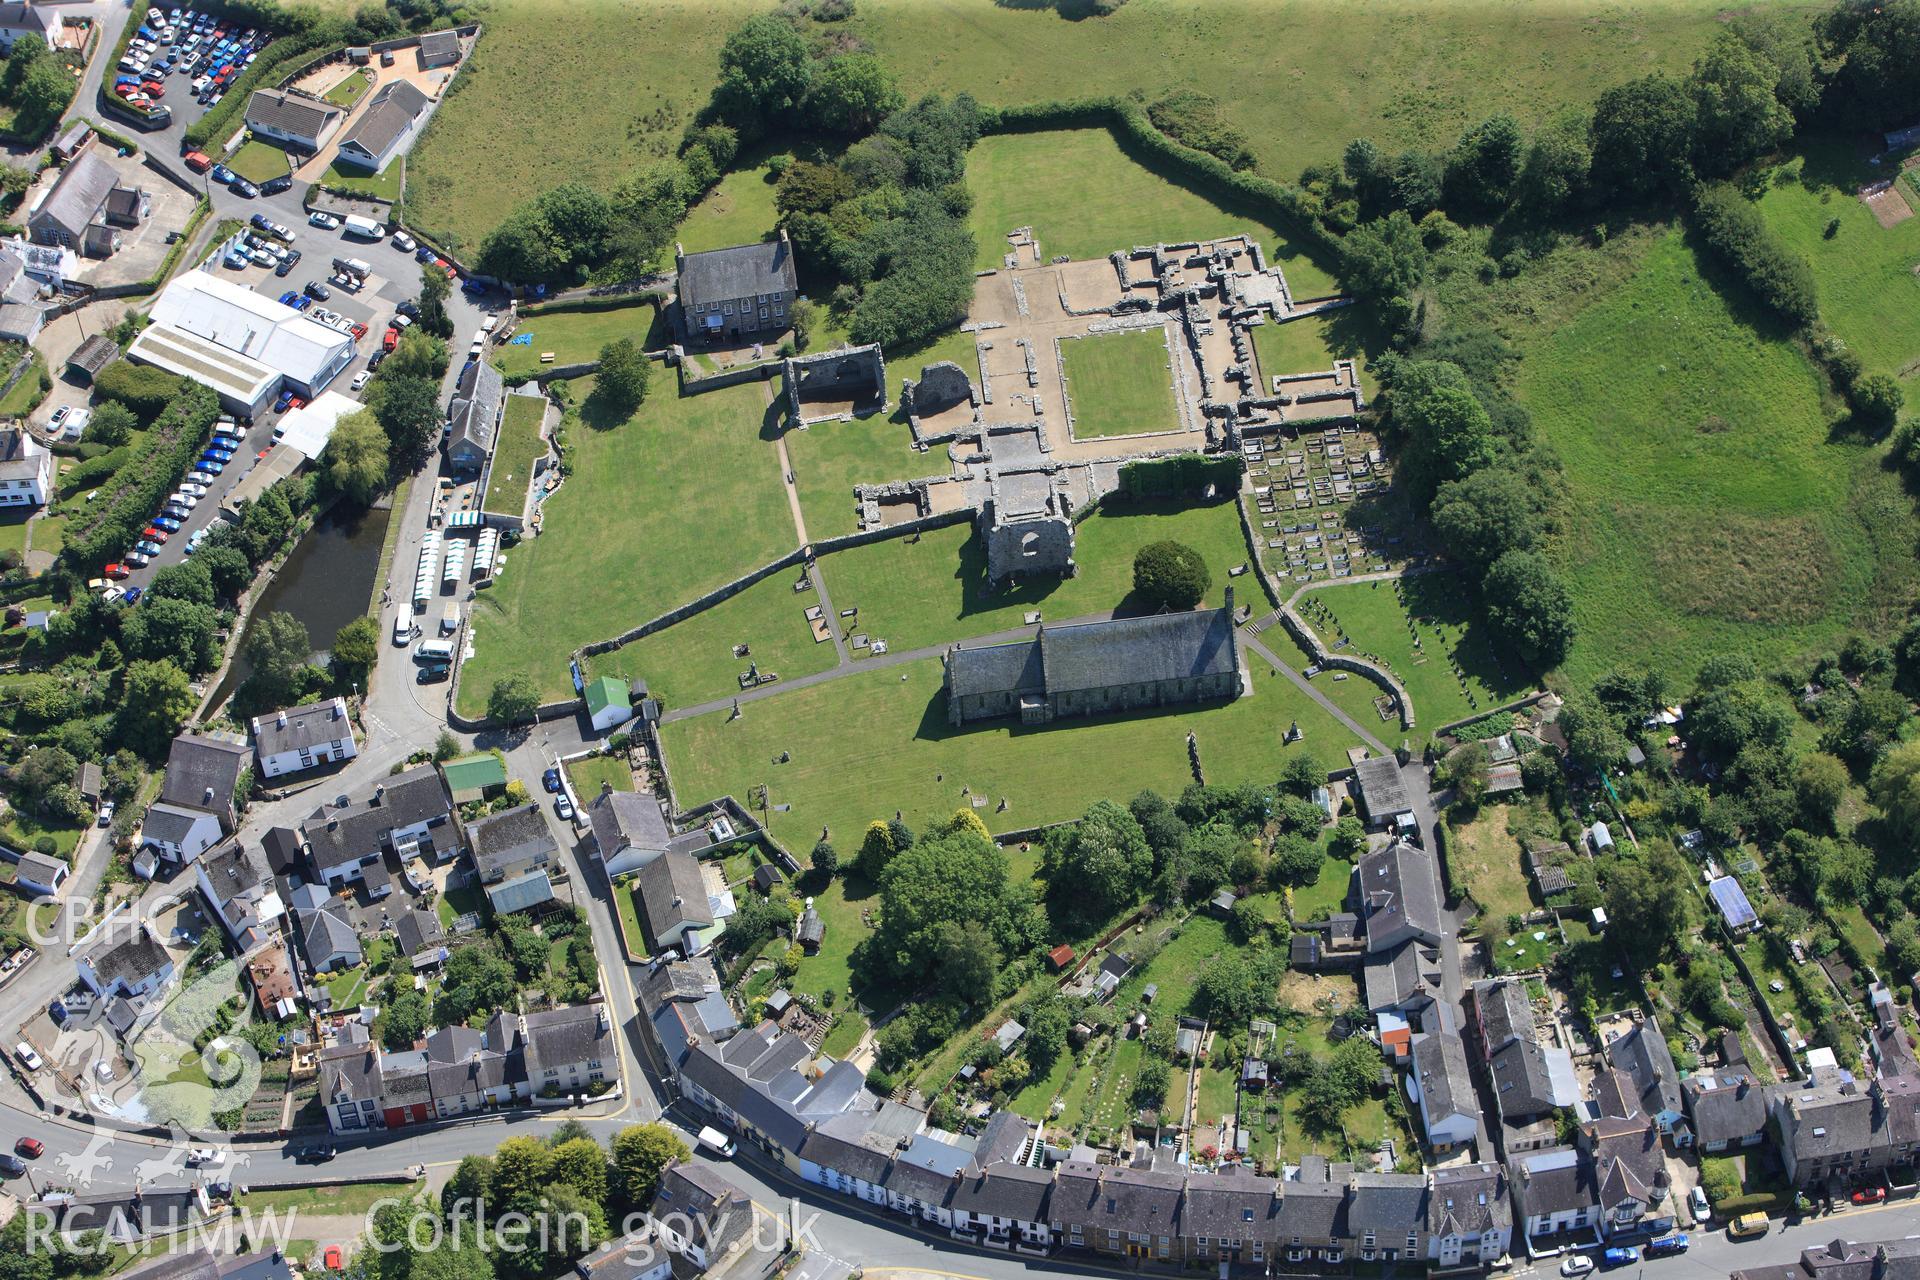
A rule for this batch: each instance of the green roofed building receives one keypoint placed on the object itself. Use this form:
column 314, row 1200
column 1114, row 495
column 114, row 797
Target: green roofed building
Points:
column 609, row 704
column 474, row 777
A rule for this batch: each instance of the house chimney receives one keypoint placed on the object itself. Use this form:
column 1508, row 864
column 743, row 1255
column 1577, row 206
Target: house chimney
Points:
column 206, row 797
column 380, row 793
column 280, row 717
column 606, row 787
column 1229, row 602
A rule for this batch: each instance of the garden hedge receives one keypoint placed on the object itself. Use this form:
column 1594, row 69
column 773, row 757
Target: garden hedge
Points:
column 1739, row 236
column 1185, row 473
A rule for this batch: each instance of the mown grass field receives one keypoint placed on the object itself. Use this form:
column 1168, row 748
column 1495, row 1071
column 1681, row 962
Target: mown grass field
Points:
column 520, row 446
column 258, row 161
column 1306, row 77
column 1311, row 344
column 865, row 745
column 591, row 97
column 1869, row 294
column 1711, row 507
column 1120, row 384
column 575, row 337
column 349, row 91
column 1487, row 861
column 738, row 211
column 674, row 501
column 385, row 185
column 1085, row 197
column 913, row 593
column 693, row 661
column 1375, row 619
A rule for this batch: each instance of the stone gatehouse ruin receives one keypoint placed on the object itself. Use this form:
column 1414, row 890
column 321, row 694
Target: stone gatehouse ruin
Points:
column 847, row 382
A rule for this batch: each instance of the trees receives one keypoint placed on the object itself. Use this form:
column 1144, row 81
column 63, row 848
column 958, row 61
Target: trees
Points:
column 178, row 630
column 640, row 1152
column 555, row 236
column 1652, row 893
column 853, row 94
column 877, row 848
column 513, row 698
column 278, row 646
column 1554, row 174
column 407, row 406
column 434, row 288
column 1527, row 600
column 1465, row 770
column 1161, row 826
column 1484, row 165
column 765, row 71
column 1302, row 774
column 1170, row 575
column 624, row 372
column 404, row 1020
column 1895, row 787
column 1737, row 115
column 1820, row 782
column 824, row 860
column 1296, row 861
column 111, row 425
column 966, row 961
column 581, row 1164
column 1876, row 400
column 1594, row 740
column 1343, row 1080
column 1878, row 78
column 1449, row 433
column 1099, row 864
column 477, row 981
column 354, row 461
column 1487, row 514
column 156, row 700
column 945, row 877
column 1386, row 262
column 227, row 569
column 189, row 580
column 1780, row 277
column 1642, row 138
column 1349, row 838
column 1729, row 718
column 356, row 647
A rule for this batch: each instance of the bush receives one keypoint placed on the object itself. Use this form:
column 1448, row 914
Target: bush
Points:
column 1183, row 474
column 1170, row 575
column 141, row 388
column 1739, row 236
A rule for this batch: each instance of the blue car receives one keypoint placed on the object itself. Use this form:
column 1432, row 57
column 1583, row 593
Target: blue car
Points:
column 423, row 254
column 1667, row 1246
column 280, row 405
column 207, row 466
column 134, row 593
column 147, row 547
column 223, row 175
column 1619, row 1257
column 244, row 189
column 166, row 522
column 215, row 455
column 287, row 298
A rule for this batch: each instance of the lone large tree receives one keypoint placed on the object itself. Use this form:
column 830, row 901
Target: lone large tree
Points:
column 1170, row 575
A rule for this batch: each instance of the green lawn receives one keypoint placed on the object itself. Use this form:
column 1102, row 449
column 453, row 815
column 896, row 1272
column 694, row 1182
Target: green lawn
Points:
column 1312, row 343
column 349, row 91
column 384, row 186
column 629, row 913
column 847, row 1031
column 457, row 901
column 1093, row 200
column 1709, row 507
column 678, row 499
column 13, row 529
column 22, row 829
column 588, row 774
column 576, row 337
column 915, row 593
column 830, row 458
column 1328, row 892
column 259, row 161
column 737, row 211
column 27, row 393
column 1120, row 384
column 692, row 661
column 633, row 76
column 1869, row 295
column 50, row 534
column 519, row 448
column 862, row 746
column 1487, row 861
column 1375, row 619
column 1177, row 967
column 352, row 1198
column 1112, row 1108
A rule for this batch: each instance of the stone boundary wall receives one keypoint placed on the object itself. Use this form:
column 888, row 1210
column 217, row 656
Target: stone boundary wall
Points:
column 693, row 385
column 1309, row 641
column 725, row 591
column 1267, row 584
column 938, row 520
column 1518, row 704
column 166, row 171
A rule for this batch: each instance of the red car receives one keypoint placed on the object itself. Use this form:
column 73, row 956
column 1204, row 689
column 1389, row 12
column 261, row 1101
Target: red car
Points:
column 358, row 330
column 155, row 89
column 390, row 340
column 296, row 403
column 332, row 1258
column 198, row 161
column 126, row 90
column 116, row 571
column 1869, row 1195
column 155, row 532
column 32, row 1148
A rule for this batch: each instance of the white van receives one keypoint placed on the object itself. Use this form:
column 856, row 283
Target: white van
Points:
column 403, row 626
column 717, row 1142
column 433, row 651
column 449, row 619
column 366, row 228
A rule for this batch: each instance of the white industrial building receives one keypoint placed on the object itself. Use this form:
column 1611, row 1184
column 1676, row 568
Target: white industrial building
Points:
column 242, row 344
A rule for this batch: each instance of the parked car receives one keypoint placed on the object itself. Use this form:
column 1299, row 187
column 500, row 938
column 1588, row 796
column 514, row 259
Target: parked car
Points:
column 404, row 242
column 202, row 1157
column 1697, row 1202
column 333, row 1259
column 402, row 320
column 563, row 807
column 318, row 291
column 1576, row 1264
column 409, row 308
column 423, row 255
column 360, row 380
column 138, row 558
column 1748, row 1226
column 280, row 405
column 223, row 175
column 1667, row 1246
column 551, row 781
column 1619, row 1256
column 11, row 1165
column 197, row 490
column 117, row 571
column 433, row 673
column 168, row 523
column 325, row 221
column 318, row 1154
column 154, row 533
column 1868, row 1195
column 241, row 187
column 289, row 298
column 390, row 340
column 274, row 186
column 30, row 1147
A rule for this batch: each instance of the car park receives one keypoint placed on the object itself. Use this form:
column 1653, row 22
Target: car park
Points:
column 138, row 558
column 117, row 571
column 145, row 547
column 423, row 255
column 357, row 329
column 408, row 308
column 390, row 339
column 404, row 242
column 289, row 299
column 168, row 523
column 433, row 673
column 360, row 379
column 402, row 320
column 194, row 490
column 318, row 291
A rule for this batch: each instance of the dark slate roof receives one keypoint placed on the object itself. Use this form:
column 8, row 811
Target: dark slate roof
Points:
column 289, row 113
column 1468, row 1200
column 1440, row 1060
column 1103, row 1198
column 777, row 1120
column 388, row 115
column 1382, row 789
column 1831, row 1118
column 673, row 892
column 1002, row 1137
column 1387, row 1204
column 1505, row 1010
column 995, row 668
column 846, row 1145
column 567, row 1036
column 339, row 836
column 475, row 409
column 326, row 933
column 1643, row 1054
column 169, row 823
column 907, row 1177
column 39, row 868
column 1553, row 1180
column 621, row 819
column 1396, row 978
column 440, row 44
column 747, row 270
column 417, row 930
column 455, row 1044
column 198, row 764
column 1005, row 1190
column 1400, row 884
column 1231, row 1206
column 96, row 353
column 1521, row 1087
column 127, row 955
column 513, row 836
column 1168, row 646
column 306, row 726
column 1313, row 1211
column 77, row 194
column 1627, row 1160
column 1725, row 1109
column 352, row 1069
column 40, row 18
